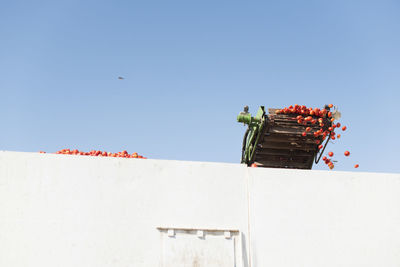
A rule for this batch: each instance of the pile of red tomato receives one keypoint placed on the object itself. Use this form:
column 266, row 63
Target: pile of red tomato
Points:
column 98, row 153
column 323, row 118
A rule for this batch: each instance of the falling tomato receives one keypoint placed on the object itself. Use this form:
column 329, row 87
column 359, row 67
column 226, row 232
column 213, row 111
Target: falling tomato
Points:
column 356, row 166
column 330, row 154
column 347, row 153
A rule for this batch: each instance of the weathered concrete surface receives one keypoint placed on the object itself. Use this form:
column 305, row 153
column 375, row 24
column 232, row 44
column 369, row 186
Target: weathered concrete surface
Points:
column 61, row 210
column 324, row 218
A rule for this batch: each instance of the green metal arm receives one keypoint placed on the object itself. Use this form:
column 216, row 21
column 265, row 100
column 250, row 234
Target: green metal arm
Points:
column 255, row 128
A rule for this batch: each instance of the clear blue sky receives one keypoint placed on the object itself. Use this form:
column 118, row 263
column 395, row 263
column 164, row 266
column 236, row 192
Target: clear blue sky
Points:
column 189, row 68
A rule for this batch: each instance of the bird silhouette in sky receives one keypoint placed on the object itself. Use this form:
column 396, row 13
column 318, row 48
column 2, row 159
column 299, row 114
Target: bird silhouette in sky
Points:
column 120, row 78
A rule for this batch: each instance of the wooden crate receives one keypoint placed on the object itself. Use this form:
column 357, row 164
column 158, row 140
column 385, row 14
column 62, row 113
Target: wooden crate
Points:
column 282, row 144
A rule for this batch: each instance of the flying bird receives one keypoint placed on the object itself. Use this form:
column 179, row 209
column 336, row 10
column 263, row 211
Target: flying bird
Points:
column 120, row 78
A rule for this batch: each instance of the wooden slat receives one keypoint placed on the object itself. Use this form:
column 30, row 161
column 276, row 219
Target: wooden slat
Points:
column 285, row 145
column 290, row 131
column 283, row 152
column 292, row 165
column 272, row 110
column 289, row 139
column 283, row 159
column 314, row 127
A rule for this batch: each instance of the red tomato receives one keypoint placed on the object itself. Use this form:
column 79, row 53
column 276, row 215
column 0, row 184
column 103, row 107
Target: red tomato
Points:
column 356, row 166
column 254, row 165
column 338, row 124
column 308, row 129
column 338, row 136
column 344, row 128
column 347, row 153
column 320, row 146
column 330, row 154
column 304, row 134
column 330, row 106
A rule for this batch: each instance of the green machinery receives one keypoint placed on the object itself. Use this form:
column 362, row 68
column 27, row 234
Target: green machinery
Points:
column 276, row 141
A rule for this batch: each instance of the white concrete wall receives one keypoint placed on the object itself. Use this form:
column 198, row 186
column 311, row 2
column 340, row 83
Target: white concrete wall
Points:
column 322, row 218
column 60, row 210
